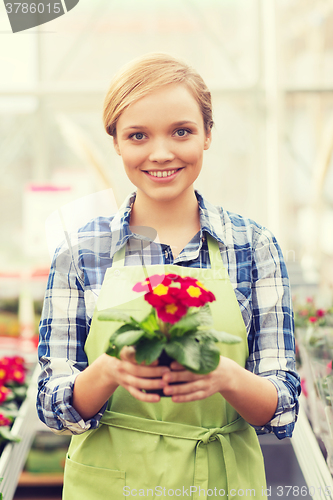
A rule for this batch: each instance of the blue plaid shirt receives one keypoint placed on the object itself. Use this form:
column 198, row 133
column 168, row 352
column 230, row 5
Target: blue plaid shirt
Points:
column 257, row 273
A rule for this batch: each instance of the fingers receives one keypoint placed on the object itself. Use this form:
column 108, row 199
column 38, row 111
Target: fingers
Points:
column 181, row 376
column 136, row 378
column 176, row 366
column 128, row 354
column 193, row 388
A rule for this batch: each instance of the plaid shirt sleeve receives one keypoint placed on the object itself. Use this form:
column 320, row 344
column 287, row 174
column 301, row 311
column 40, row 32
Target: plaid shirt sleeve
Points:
column 63, row 331
column 271, row 335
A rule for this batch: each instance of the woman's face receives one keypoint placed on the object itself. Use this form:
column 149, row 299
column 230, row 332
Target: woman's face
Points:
column 161, row 139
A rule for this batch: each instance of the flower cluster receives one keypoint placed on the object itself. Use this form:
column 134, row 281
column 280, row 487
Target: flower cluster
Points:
column 308, row 314
column 179, row 325
column 13, row 389
column 4, row 421
column 171, row 295
column 12, row 373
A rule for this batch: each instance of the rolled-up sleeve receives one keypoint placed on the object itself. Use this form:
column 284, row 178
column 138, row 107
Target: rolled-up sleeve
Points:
column 63, row 332
column 271, row 336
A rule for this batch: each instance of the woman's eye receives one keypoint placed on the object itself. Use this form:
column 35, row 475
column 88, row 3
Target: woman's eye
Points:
column 138, row 136
column 182, row 132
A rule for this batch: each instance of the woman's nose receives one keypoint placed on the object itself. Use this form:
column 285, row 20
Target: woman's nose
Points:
column 161, row 152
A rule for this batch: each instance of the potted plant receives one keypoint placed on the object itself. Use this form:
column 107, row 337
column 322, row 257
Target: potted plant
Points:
column 178, row 326
column 13, row 389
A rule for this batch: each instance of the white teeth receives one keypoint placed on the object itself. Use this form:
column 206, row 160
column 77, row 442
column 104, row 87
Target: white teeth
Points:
column 162, row 173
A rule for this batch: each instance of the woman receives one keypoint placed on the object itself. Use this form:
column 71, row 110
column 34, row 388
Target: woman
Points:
column 201, row 441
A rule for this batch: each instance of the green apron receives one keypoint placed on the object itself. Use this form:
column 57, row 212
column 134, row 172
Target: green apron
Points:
column 190, row 450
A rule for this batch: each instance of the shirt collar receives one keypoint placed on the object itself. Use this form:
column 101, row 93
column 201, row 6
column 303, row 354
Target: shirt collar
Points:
column 210, row 222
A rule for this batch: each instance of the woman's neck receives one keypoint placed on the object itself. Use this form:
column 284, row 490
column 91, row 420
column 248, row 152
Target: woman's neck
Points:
column 166, row 215
column 176, row 222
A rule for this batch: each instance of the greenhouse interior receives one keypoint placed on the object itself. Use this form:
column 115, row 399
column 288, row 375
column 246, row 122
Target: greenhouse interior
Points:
column 269, row 67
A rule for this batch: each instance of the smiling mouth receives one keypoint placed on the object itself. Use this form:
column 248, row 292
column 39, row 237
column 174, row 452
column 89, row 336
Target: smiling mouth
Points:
column 162, row 173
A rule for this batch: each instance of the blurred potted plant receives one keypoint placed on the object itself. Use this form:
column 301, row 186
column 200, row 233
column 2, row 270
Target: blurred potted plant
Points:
column 314, row 342
column 13, row 390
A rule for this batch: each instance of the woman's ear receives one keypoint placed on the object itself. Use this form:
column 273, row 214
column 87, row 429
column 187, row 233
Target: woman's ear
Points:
column 116, row 145
column 208, row 140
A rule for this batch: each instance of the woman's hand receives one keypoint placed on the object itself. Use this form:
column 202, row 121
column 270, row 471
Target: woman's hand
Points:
column 253, row 397
column 94, row 385
column 194, row 386
column 133, row 377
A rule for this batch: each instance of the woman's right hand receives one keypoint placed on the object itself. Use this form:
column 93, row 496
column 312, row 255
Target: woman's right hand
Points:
column 134, row 377
column 94, row 385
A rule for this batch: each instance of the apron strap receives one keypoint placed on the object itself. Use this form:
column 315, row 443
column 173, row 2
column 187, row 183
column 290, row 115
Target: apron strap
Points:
column 119, row 257
column 214, row 253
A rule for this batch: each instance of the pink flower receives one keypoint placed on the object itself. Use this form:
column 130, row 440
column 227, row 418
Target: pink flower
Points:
column 309, row 300
column 12, row 369
column 320, row 313
column 329, row 367
column 303, row 386
column 149, row 283
column 313, row 319
column 4, row 392
column 4, row 421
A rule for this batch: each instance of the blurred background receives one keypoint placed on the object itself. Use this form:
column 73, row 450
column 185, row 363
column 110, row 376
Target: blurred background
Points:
column 269, row 65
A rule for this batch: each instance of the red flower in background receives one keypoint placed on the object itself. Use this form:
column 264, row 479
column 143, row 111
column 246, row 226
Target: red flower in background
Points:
column 320, row 313
column 4, row 370
column 4, row 393
column 4, row 421
column 313, row 319
column 12, row 369
column 304, row 388
column 17, row 374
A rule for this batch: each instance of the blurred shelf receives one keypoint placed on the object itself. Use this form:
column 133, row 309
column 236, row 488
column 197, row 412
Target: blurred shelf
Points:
column 310, row 457
column 40, row 479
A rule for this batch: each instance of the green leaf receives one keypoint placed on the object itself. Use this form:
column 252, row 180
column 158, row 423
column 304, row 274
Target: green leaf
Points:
column 224, row 337
column 209, row 357
column 148, row 350
column 149, row 323
column 191, row 321
column 112, row 350
column 7, row 435
column 9, row 409
column 114, row 315
column 196, row 353
column 127, row 338
column 20, row 392
column 126, row 328
column 185, row 350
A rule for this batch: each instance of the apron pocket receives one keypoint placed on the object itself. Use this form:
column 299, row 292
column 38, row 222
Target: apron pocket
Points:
column 84, row 482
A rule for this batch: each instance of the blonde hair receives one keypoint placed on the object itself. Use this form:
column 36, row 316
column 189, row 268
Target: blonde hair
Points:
column 146, row 74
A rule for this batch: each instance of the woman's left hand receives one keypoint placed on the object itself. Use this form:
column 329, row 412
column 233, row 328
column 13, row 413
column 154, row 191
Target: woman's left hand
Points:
column 195, row 386
column 255, row 398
